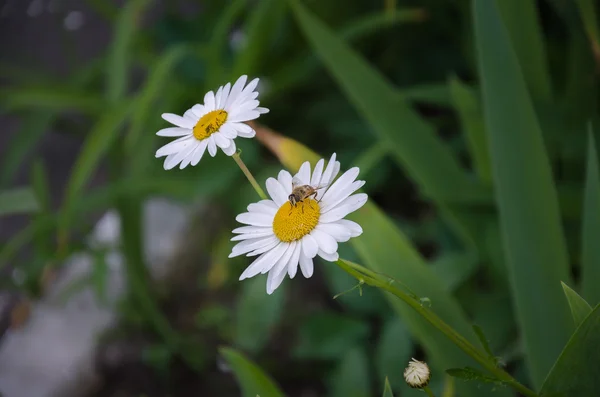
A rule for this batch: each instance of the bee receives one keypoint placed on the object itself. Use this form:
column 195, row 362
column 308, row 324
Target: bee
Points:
column 301, row 192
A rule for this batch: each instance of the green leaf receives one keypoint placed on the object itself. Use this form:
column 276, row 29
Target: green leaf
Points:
column 471, row 118
column 49, row 98
column 587, row 10
column 97, row 143
column 523, row 25
column 351, row 378
column 387, row 389
column 528, row 207
column 32, row 129
column 19, row 200
column 484, row 341
column 580, row 309
column 412, row 142
column 256, row 314
column 590, row 255
column 327, row 335
column 117, row 68
column 575, row 373
column 469, row 374
column 261, row 28
column 159, row 75
column 393, row 351
column 252, row 380
column 41, row 186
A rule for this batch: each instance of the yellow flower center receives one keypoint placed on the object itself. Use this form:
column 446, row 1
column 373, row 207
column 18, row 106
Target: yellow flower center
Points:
column 294, row 222
column 209, row 124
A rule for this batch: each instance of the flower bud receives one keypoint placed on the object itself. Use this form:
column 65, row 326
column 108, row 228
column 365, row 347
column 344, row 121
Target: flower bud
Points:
column 417, row 374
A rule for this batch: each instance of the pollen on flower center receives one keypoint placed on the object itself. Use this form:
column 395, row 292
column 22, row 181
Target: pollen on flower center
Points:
column 209, row 124
column 294, row 222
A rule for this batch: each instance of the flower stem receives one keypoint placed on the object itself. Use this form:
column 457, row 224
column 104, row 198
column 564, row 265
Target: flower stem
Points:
column 246, row 171
column 371, row 278
column 427, row 390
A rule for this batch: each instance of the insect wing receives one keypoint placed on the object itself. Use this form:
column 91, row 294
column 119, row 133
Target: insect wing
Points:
column 296, row 182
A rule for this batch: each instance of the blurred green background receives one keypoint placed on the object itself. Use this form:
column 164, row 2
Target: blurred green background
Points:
column 472, row 123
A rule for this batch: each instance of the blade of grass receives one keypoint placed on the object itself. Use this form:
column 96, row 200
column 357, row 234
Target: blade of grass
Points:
column 590, row 253
column 41, row 187
column 412, row 142
column 528, row 207
column 523, row 25
column 587, row 10
column 252, row 380
column 387, row 389
column 49, row 98
column 32, row 129
column 117, row 67
column 580, row 309
column 471, row 118
column 266, row 18
column 19, row 200
column 575, row 372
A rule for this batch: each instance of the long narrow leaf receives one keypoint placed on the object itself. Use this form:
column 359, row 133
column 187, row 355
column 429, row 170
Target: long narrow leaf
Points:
column 580, row 309
column 523, row 25
column 533, row 239
column 575, row 373
column 252, row 380
column 412, row 142
column 18, row 201
column 590, row 255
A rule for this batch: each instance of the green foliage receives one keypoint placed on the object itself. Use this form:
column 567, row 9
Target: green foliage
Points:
column 387, row 389
column 18, row 201
column 590, row 255
column 573, row 373
column 526, row 195
column 580, row 309
column 251, row 379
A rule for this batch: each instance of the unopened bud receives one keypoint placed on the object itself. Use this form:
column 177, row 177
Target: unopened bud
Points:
column 417, row 374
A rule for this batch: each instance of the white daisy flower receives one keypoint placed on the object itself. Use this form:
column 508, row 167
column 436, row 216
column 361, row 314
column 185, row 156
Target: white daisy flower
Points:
column 285, row 235
column 214, row 124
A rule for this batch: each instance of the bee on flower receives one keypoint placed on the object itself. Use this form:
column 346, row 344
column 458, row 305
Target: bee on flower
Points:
column 214, row 124
column 303, row 219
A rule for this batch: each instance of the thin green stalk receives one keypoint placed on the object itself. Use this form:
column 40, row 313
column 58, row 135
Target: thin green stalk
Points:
column 428, row 391
column 251, row 179
column 367, row 276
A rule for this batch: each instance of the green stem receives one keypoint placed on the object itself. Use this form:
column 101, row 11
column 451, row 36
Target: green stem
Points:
column 251, row 179
column 428, row 391
column 369, row 277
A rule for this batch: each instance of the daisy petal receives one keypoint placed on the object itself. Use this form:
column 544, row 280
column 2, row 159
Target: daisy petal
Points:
column 218, row 97
column 262, row 207
column 230, row 150
column 228, row 130
column 326, row 177
column 285, row 179
column 175, row 146
column 292, row 266
column 265, row 261
column 347, row 206
column 304, row 173
column 250, row 87
column 244, row 130
column 306, row 265
column 317, row 172
column 198, row 153
column 225, row 96
column 337, row 231
column 236, row 90
column 276, row 191
column 264, row 249
column 326, row 242
column 353, row 227
column 199, row 110
column 212, row 147
column 244, row 116
column 244, row 108
column 251, row 244
column 329, row 257
column 220, row 140
column 209, row 101
column 178, row 120
column 309, row 246
column 255, row 219
column 248, row 236
column 174, row 131
column 262, row 110
column 173, row 161
column 190, row 115
column 252, row 229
